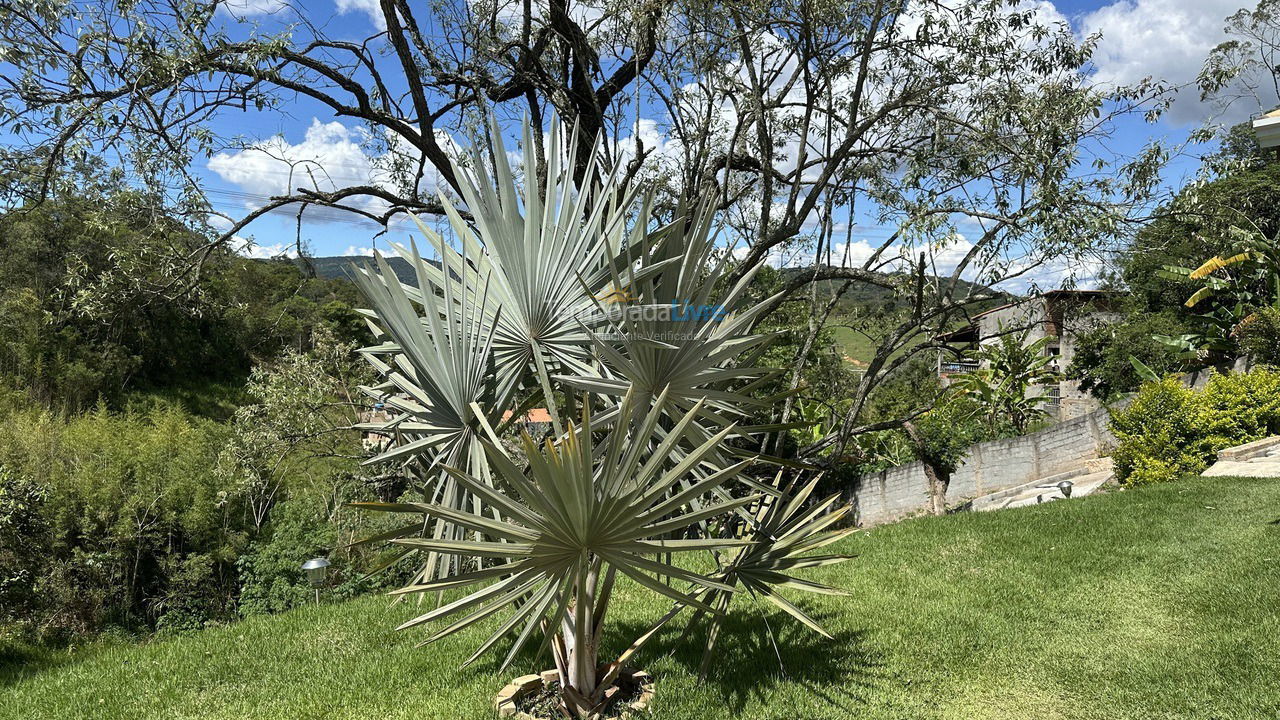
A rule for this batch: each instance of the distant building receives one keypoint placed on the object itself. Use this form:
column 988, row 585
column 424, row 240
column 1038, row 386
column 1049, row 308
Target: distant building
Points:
column 1059, row 314
column 537, row 422
column 373, row 441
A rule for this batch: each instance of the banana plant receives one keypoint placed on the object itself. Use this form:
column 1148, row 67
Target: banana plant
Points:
column 1234, row 285
column 1003, row 386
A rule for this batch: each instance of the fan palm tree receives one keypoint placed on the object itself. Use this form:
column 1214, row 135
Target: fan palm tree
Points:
column 540, row 532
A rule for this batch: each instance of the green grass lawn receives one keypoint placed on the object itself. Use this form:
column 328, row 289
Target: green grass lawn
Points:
column 1153, row 603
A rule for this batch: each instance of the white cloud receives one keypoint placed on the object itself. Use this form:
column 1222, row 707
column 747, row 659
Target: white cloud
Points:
column 248, row 248
column 1165, row 39
column 371, row 8
column 362, row 251
column 252, row 8
column 328, row 157
column 588, row 14
column 1061, row 273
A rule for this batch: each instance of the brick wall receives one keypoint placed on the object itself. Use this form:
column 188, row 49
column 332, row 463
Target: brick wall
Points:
column 990, row 466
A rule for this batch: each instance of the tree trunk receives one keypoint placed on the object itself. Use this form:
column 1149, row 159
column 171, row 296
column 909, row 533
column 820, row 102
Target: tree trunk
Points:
column 939, row 478
column 938, row 483
column 578, row 682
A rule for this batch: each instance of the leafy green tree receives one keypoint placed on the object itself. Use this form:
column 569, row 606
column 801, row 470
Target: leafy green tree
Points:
column 1102, row 360
column 931, row 118
column 75, row 326
column 300, row 409
column 940, row 440
column 1156, row 268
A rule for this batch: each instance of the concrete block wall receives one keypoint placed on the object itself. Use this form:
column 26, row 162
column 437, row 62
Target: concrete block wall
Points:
column 989, row 467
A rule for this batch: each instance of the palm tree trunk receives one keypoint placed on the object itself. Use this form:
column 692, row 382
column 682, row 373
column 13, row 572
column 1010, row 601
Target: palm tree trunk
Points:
column 580, row 641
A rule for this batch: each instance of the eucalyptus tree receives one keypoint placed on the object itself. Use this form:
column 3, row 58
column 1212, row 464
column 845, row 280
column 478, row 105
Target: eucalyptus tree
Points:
column 967, row 135
column 1244, row 69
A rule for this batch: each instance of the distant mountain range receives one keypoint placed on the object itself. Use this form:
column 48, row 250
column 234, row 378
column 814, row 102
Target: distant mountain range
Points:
column 865, row 294
column 344, row 266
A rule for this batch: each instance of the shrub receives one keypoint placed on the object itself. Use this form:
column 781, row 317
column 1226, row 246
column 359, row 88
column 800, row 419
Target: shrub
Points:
column 1260, row 337
column 313, row 522
column 129, row 505
column 948, row 431
column 124, row 520
column 23, row 542
column 1101, row 360
column 1169, row 430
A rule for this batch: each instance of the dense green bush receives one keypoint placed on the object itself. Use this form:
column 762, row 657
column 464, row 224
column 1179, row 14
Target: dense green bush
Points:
column 133, row 515
column 1260, row 337
column 23, row 540
column 948, row 431
column 1102, row 354
column 1170, row 430
column 87, row 310
column 306, row 526
column 126, row 520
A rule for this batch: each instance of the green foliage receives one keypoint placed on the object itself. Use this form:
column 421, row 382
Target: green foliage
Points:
column 1204, row 221
column 312, row 522
column 1102, row 354
column 152, row 518
column 24, row 540
column 1170, row 430
column 1260, row 337
column 1144, row 562
column 1159, row 435
column 1243, row 278
column 948, row 430
column 913, row 384
column 1006, row 386
column 643, row 328
column 944, row 434
column 133, row 514
column 826, row 375
column 76, row 324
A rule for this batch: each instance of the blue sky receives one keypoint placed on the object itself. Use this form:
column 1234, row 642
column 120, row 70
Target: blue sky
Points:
column 1166, row 39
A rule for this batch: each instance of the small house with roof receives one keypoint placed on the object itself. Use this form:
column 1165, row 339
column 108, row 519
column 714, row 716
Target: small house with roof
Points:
column 1061, row 315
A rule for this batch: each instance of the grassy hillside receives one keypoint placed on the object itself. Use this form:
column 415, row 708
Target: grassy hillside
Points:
column 1149, row 603
column 862, row 299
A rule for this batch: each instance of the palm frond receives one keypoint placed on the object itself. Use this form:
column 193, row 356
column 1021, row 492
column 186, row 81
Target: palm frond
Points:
column 579, row 501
